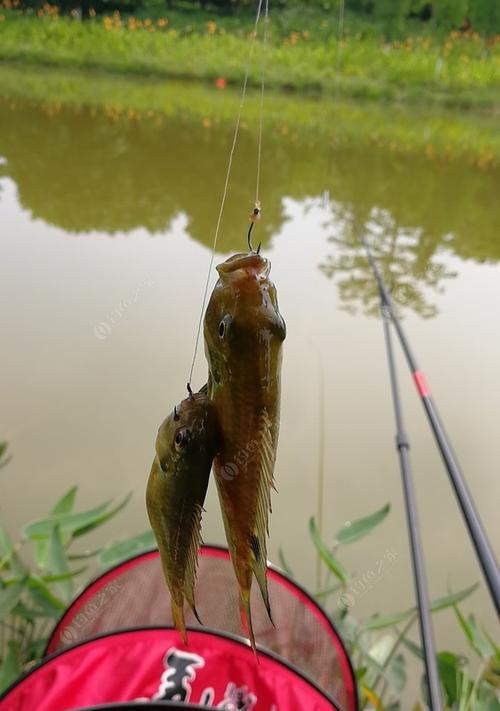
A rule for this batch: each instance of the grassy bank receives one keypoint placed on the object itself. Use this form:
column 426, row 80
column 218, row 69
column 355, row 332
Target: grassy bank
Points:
column 438, row 134
column 459, row 69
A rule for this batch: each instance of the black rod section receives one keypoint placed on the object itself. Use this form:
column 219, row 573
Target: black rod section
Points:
column 417, row 556
column 477, row 533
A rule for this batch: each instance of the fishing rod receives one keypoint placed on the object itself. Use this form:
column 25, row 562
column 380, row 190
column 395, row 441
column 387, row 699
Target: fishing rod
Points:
column 419, row 577
column 477, row 533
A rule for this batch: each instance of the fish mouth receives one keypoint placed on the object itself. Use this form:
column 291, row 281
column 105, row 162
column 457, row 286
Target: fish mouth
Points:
column 244, row 264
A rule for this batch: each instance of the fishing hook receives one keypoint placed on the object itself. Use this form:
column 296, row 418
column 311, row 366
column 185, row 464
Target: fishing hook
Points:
column 253, row 217
column 191, row 396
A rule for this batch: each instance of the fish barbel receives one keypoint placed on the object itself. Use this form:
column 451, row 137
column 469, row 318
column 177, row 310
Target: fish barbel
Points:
column 185, row 447
column 244, row 332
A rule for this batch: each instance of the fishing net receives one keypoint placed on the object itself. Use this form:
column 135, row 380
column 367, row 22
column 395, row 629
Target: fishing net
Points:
column 139, row 706
column 134, row 594
column 215, row 671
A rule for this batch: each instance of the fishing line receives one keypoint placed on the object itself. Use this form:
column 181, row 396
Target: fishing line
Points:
column 262, row 89
column 228, row 170
column 256, row 210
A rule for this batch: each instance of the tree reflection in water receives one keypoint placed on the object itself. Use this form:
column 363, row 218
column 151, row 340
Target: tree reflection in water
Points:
column 410, row 265
column 84, row 169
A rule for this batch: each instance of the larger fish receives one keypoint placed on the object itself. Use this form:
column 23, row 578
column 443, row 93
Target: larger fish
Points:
column 185, row 447
column 244, row 332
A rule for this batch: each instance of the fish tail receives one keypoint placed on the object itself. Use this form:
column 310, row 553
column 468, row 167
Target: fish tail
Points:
column 178, row 617
column 246, row 617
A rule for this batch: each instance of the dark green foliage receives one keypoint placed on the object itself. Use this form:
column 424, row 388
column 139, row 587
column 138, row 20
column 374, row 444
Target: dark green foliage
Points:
column 485, row 16
column 451, row 14
column 392, row 15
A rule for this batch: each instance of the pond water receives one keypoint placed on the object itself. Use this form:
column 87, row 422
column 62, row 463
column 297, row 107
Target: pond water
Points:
column 106, row 226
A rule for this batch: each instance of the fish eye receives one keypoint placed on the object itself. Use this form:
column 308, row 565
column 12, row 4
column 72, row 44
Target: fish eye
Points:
column 223, row 326
column 181, row 439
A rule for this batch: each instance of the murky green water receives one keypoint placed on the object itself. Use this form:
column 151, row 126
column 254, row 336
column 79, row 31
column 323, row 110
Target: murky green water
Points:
column 106, row 222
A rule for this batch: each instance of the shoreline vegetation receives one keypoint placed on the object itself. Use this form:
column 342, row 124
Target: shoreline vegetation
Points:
column 458, row 69
column 436, row 134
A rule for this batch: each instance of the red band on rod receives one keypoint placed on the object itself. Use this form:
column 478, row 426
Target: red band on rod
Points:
column 421, row 384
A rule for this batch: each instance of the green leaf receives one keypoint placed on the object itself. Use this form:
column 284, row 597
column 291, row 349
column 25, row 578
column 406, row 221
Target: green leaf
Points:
column 442, row 603
column 355, row 530
column 66, row 503
column 283, row 563
column 414, row 648
column 35, row 649
column 67, row 522
column 397, row 673
column 103, row 518
column 3, row 459
column 10, row 668
column 360, row 672
column 9, row 555
column 44, row 598
column 328, row 591
column 41, row 551
column 63, row 576
column 75, row 524
column 118, row 552
column 326, row 556
column 477, row 637
column 380, row 622
column 85, row 555
column 9, row 597
column 451, row 675
column 57, row 563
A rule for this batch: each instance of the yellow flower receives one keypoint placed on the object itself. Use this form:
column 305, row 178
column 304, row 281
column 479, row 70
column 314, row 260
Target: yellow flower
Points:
column 211, row 27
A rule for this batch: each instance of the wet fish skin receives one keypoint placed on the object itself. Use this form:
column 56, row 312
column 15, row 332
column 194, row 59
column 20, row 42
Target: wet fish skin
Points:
column 185, row 447
column 244, row 332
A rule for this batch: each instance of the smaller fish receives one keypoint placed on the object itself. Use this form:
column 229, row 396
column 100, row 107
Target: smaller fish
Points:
column 186, row 444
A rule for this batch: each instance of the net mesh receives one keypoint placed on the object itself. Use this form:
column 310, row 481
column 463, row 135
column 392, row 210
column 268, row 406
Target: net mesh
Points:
column 134, row 594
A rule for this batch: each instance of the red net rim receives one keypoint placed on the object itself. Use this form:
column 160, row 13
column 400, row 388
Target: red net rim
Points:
column 211, row 551
column 239, row 641
column 124, row 706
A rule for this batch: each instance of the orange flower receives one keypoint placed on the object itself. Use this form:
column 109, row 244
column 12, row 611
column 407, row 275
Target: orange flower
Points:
column 221, row 83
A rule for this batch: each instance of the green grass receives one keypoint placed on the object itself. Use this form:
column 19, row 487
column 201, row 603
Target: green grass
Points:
column 456, row 70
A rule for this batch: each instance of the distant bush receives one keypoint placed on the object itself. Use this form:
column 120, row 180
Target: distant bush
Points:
column 485, row 16
column 392, row 14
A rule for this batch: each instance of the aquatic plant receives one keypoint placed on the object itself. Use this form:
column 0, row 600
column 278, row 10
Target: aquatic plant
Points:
column 40, row 573
column 377, row 645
